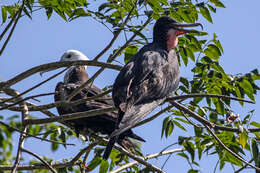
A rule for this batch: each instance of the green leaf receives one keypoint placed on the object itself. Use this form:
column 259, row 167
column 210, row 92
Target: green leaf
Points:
column 27, row 13
column 247, row 87
column 243, row 139
column 4, row 14
column 49, row 12
column 130, row 51
column 103, row 166
column 205, row 13
column 212, row 52
column 256, row 124
column 179, row 125
column 169, row 128
column 165, row 122
column 255, row 151
column 218, row 3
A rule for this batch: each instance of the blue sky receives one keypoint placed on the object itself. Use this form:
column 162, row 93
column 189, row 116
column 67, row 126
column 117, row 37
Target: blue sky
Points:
column 41, row 41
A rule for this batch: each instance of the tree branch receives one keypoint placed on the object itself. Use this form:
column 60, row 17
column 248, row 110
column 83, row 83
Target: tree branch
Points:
column 72, row 116
column 54, row 65
column 39, row 158
column 128, row 165
column 25, row 115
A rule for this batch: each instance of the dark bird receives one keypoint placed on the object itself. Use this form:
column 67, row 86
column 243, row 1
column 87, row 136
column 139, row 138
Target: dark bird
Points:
column 148, row 78
column 104, row 123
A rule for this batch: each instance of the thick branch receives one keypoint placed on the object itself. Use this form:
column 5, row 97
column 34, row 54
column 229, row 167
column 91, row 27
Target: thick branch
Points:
column 72, row 116
column 39, row 158
column 54, row 65
column 128, row 165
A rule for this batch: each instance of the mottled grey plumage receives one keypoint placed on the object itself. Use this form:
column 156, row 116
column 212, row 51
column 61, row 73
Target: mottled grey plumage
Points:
column 104, row 123
column 146, row 80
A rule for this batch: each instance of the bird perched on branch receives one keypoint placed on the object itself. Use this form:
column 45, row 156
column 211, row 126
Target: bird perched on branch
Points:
column 148, row 78
column 104, row 123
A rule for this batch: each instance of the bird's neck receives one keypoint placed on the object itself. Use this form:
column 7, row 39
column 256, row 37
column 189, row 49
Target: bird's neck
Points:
column 161, row 44
column 76, row 74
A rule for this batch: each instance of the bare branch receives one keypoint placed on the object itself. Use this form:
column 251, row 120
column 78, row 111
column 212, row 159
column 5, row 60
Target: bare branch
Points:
column 208, row 95
column 72, row 116
column 128, row 165
column 39, row 158
column 54, row 65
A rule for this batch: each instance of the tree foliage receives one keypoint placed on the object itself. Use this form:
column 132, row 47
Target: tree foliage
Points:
column 198, row 51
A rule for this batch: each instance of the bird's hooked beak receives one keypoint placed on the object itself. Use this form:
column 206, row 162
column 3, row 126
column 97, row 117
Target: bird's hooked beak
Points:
column 180, row 28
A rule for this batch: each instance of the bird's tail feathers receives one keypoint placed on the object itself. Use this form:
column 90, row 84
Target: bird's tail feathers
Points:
column 134, row 114
column 109, row 147
column 134, row 136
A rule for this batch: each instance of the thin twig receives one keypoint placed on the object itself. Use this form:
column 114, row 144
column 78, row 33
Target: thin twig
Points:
column 12, row 30
column 39, row 158
column 30, row 135
column 151, row 156
column 71, row 116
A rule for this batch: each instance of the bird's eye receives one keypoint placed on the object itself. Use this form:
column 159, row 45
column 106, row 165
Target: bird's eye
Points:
column 69, row 56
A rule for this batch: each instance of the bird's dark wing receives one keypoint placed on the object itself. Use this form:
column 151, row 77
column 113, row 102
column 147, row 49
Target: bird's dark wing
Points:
column 143, row 84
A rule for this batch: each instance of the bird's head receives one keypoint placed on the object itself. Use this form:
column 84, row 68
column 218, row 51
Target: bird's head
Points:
column 71, row 55
column 166, row 31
